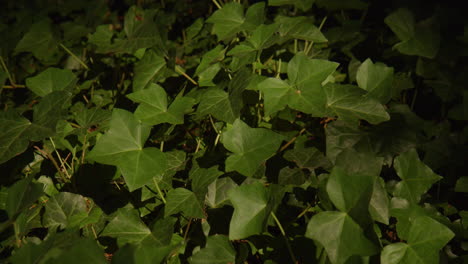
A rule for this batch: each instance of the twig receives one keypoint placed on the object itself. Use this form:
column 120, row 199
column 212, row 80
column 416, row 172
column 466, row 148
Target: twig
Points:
column 188, row 228
column 291, row 253
column 159, row 191
column 74, row 56
column 54, row 162
column 179, row 70
column 285, row 146
column 13, row 86
column 217, row 4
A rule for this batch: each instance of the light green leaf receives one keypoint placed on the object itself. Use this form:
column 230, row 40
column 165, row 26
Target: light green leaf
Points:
column 254, row 16
column 217, row 103
column 185, row 201
column 250, row 147
column 277, row 93
column 13, row 135
column 227, row 20
column 299, row 27
column 421, row 39
column 349, row 104
column 52, row 79
column 65, row 210
column 154, row 110
column 422, row 246
column 251, row 210
column 340, row 236
column 218, row 191
column 218, row 250
column 126, row 134
column 379, row 206
column 140, row 166
column 376, row 79
column 416, row 176
column 127, row 227
column 147, row 69
column 210, row 58
column 263, row 36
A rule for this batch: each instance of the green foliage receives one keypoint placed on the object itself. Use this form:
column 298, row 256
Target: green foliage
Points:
column 279, row 131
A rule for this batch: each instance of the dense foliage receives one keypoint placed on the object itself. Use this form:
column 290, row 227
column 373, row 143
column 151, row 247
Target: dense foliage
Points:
column 279, row 131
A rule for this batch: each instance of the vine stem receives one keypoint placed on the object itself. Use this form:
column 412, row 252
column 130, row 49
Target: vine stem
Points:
column 159, row 191
column 292, row 140
column 288, row 245
column 179, row 70
column 74, row 56
column 217, row 4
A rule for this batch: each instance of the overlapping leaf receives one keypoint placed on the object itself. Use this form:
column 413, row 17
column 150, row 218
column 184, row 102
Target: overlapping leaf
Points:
column 376, row 79
column 65, row 210
column 52, row 79
column 251, row 210
column 218, row 250
column 147, row 69
column 250, row 147
column 416, row 177
column 185, row 201
column 153, row 108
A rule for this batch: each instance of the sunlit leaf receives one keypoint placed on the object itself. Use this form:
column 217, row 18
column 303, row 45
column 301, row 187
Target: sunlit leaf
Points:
column 376, row 79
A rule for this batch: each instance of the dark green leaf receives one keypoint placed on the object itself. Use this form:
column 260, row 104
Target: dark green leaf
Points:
column 218, row 191
column 22, row 195
column 250, row 147
column 185, row 201
column 147, row 69
column 52, row 79
column 127, row 227
column 218, row 250
column 227, row 20
column 13, row 135
column 65, row 210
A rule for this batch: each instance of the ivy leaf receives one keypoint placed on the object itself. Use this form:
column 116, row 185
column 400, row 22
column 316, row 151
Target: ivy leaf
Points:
column 376, row 79
column 102, row 38
column 307, row 158
column 422, row 246
column 218, row 250
column 210, row 66
column 303, row 91
column 13, row 135
column 263, row 36
column 21, row 196
column 334, row 231
column 65, row 210
column 299, row 27
column 47, row 113
column 201, row 178
column 40, row 41
column 339, row 137
column 126, row 134
column 421, row 39
column 416, row 176
column 122, row 146
column 154, row 110
column 52, row 79
column 227, row 20
column 251, row 210
column 251, row 147
column 350, row 104
column 147, row 69
column 185, row 201
column 127, row 227
column 218, row 103
column 218, row 191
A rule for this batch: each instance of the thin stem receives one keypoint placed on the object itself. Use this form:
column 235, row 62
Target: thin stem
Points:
column 292, row 140
column 60, row 158
column 13, row 86
column 217, row 4
column 278, row 223
column 188, row 228
column 74, row 56
column 54, row 162
column 179, row 70
column 159, row 191
column 5, row 68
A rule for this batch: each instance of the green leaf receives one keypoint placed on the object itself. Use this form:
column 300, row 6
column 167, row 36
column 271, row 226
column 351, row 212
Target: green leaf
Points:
column 421, row 39
column 349, row 104
column 263, row 36
column 218, row 250
column 250, row 147
column 185, row 201
column 307, row 158
column 462, row 184
column 299, row 27
column 52, row 79
column 102, row 38
column 154, row 110
column 201, row 178
column 127, row 227
column 209, row 65
column 379, row 206
column 288, row 176
column 340, row 236
column 122, row 146
column 422, row 246
column 126, row 134
column 13, row 135
column 339, row 137
column 304, row 5
column 40, row 41
column 46, row 114
column 227, row 20
column 416, row 176
column 65, row 210
column 22, row 195
column 147, row 69
column 376, row 79
column 251, row 210
column 217, row 103
column 304, row 91
column 218, row 191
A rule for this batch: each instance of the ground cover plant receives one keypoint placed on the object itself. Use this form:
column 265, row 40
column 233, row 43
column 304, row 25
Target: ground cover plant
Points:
column 279, row 131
